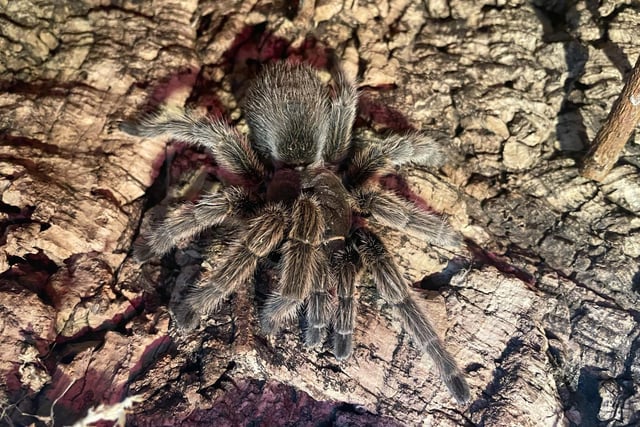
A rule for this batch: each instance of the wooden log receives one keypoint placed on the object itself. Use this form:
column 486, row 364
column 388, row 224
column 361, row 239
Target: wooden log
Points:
column 614, row 134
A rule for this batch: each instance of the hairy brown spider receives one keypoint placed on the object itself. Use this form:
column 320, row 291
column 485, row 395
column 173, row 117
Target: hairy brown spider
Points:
column 310, row 190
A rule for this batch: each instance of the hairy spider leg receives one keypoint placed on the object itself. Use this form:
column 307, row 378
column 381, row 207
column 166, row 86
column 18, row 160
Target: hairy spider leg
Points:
column 412, row 147
column 301, row 253
column 278, row 311
column 364, row 164
column 263, row 235
column 319, row 312
column 393, row 288
column 375, row 156
column 301, row 264
column 347, row 266
column 231, row 150
column 336, row 205
column 190, row 219
column 341, row 117
column 391, row 210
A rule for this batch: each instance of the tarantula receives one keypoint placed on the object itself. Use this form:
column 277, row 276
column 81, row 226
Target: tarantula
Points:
column 309, row 190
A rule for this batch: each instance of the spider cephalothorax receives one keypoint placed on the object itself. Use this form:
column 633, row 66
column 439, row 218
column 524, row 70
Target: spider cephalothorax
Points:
column 309, row 190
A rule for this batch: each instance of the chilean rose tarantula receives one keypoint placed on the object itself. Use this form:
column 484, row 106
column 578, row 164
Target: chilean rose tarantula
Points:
column 310, row 191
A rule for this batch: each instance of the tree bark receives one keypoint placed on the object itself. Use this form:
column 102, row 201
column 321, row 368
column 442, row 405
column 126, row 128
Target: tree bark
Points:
column 616, row 130
column 540, row 310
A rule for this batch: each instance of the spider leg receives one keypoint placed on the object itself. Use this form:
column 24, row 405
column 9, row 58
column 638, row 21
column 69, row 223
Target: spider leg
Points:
column 394, row 290
column 232, row 150
column 190, row 219
column 302, row 267
column 341, row 116
column 263, row 234
column 319, row 311
column 412, row 147
column 278, row 310
column 347, row 266
column 366, row 162
column 301, row 254
column 391, row 210
column 336, row 205
column 374, row 156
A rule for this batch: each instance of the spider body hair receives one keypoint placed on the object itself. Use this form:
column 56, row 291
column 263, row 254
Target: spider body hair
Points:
column 286, row 110
column 312, row 195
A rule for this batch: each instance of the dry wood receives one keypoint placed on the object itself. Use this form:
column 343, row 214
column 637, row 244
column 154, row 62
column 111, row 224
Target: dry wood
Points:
column 616, row 130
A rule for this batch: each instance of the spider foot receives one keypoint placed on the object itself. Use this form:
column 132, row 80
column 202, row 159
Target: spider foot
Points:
column 314, row 336
column 342, row 346
column 278, row 311
column 458, row 387
column 187, row 319
column 130, row 127
column 142, row 251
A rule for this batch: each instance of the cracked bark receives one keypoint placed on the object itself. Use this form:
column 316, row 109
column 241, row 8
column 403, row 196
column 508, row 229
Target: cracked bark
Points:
column 545, row 323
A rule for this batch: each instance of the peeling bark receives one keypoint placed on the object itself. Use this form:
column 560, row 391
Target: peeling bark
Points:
column 541, row 312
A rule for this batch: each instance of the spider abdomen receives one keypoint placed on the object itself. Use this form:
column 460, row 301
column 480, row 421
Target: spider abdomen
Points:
column 286, row 109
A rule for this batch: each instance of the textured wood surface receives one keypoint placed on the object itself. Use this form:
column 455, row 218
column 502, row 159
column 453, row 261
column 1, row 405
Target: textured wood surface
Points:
column 541, row 311
column 616, row 130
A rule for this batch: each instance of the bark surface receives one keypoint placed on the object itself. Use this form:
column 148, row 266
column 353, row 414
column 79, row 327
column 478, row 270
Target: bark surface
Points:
column 541, row 312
